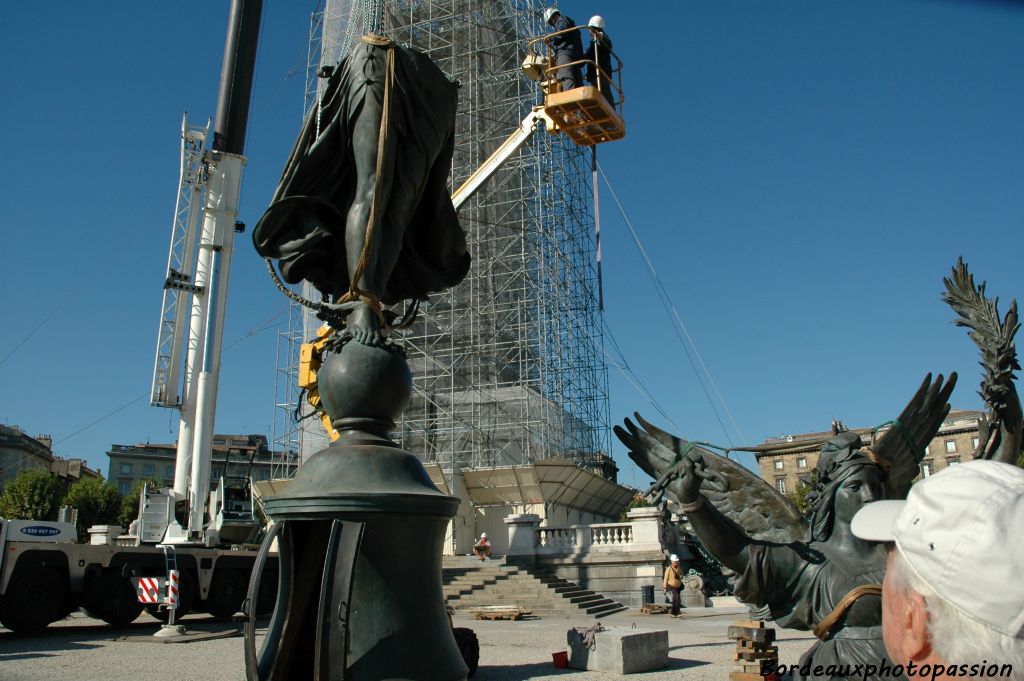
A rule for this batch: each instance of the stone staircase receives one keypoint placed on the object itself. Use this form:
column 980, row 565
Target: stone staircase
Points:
column 471, row 583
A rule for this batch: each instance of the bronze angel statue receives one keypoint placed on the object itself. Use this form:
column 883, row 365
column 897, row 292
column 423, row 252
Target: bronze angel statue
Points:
column 813, row 574
column 809, row 574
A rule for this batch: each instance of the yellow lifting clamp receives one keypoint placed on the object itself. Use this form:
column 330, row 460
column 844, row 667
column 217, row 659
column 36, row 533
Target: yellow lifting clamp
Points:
column 310, row 359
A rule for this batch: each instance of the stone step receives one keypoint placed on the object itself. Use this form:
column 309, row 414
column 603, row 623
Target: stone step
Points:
column 470, row 583
column 605, row 610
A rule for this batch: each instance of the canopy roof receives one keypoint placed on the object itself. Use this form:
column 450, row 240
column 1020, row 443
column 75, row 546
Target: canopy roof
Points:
column 547, row 481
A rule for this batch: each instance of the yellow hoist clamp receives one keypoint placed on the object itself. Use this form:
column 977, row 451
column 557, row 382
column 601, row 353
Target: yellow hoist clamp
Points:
column 310, row 359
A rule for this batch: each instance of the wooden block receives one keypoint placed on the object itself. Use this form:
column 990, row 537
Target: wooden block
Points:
column 753, row 645
column 749, row 634
column 749, row 624
column 757, row 655
column 758, row 666
column 745, row 676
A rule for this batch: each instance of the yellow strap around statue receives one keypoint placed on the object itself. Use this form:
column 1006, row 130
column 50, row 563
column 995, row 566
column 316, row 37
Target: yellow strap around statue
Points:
column 825, row 625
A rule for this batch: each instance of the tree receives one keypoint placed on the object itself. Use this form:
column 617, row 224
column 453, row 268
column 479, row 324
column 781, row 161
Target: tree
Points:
column 638, row 501
column 130, row 502
column 98, row 503
column 33, row 495
column 799, row 496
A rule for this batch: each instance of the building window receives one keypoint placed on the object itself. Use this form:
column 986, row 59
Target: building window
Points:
column 950, row 446
column 124, row 486
column 927, row 450
column 778, row 464
column 147, row 469
column 169, row 471
column 126, row 469
column 926, row 469
column 780, row 485
column 801, row 462
column 974, row 442
column 953, row 460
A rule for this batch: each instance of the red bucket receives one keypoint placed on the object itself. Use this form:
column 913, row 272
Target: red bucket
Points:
column 560, row 659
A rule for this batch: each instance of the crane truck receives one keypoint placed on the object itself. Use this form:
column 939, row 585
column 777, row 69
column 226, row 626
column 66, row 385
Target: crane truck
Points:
column 206, row 534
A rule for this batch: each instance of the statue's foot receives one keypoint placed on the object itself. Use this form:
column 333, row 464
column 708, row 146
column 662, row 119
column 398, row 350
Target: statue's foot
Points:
column 364, row 326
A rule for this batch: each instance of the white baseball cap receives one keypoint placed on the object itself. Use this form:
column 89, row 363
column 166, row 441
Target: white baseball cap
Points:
column 674, row 558
column 483, row 534
column 960, row 532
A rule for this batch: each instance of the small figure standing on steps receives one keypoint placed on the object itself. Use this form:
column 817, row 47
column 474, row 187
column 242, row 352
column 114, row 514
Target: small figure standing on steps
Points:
column 482, row 549
column 673, row 581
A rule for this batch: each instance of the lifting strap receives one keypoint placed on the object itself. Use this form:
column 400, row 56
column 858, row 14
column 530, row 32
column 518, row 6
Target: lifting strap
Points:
column 825, row 625
column 354, row 293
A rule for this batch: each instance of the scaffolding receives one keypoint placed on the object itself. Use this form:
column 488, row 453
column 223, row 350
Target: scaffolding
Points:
column 508, row 367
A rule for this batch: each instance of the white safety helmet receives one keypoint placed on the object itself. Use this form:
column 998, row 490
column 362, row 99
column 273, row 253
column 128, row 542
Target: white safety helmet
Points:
column 674, row 558
column 596, row 21
column 549, row 13
column 483, row 535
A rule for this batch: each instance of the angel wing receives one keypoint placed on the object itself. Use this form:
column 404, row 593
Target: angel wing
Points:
column 1000, row 438
column 902, row 446
column 737, row 493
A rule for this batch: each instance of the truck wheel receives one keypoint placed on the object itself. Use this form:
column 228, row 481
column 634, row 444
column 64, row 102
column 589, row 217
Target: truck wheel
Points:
column 469, row 646
column 113, row 600
column 186, row 598
column 33, row 600
column 227, row 591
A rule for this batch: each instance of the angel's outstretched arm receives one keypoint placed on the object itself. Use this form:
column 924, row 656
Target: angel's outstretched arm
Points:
column 723, row 538
column 680, row 475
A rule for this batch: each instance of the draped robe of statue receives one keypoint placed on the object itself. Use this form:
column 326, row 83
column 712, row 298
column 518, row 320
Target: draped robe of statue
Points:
column 318, row 218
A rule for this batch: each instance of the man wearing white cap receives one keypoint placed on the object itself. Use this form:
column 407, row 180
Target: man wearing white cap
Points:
column 953, row 595
column 482, row 548
column 673, row 581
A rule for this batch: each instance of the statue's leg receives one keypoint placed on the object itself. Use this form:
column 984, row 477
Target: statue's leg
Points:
column 363, row 322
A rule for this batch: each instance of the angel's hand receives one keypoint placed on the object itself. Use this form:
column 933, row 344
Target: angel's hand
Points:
column 686, row 485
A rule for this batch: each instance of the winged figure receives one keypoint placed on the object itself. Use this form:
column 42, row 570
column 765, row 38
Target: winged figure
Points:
column 810, row 574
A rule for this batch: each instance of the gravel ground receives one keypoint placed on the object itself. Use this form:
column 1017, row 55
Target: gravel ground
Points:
column 83, row 649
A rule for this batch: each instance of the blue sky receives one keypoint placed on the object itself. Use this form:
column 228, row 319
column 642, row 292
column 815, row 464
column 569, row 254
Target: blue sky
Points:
column 802, row 174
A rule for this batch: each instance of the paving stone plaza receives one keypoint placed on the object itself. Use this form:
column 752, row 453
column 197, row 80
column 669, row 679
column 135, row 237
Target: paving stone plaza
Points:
column 82, row 649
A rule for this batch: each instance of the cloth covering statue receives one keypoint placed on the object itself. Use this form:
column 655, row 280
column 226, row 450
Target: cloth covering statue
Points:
column 362, row 210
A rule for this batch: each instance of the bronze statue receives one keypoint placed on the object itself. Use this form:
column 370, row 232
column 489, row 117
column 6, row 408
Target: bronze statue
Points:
column 362, row 210
column 818, row 577
column 363, row 213
column 814, row 574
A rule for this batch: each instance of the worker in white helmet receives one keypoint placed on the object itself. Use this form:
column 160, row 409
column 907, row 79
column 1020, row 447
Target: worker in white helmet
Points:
column 482, row 548
column 567, row 48
column 599, row 58
column 673, row 582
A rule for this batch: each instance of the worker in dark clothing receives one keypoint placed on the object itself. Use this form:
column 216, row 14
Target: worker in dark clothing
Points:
column 599, row 56
column 567, row 47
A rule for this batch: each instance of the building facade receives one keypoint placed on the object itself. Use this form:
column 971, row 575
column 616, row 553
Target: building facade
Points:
column 20, row 452
column 233, row 456
column 955, row 442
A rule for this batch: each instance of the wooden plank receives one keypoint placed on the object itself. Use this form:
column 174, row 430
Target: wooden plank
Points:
column 750, row 634
column 750, row 624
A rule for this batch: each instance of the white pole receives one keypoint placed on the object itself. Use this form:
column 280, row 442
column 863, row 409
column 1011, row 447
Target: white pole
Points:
column 218, row 237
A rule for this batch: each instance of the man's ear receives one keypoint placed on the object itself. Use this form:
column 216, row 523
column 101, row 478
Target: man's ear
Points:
column 916, row 645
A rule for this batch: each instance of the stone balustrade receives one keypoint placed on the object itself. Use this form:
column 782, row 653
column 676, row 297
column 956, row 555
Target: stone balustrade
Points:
column 615, row 559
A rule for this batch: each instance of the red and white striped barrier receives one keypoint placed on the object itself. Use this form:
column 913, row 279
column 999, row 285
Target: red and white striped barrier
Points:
column 148, row 589
column 172, row 588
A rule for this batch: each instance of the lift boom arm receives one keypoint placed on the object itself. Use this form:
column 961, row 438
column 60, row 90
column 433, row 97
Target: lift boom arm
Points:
column 503, row 153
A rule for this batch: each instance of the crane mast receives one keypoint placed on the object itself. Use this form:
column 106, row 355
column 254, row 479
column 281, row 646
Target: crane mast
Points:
column 187, row 366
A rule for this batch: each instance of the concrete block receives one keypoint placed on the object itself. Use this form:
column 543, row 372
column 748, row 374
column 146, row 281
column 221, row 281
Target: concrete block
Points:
column 620, row 650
